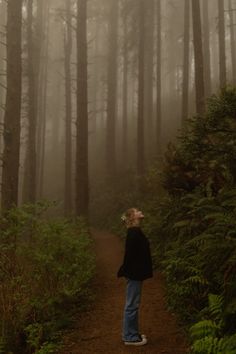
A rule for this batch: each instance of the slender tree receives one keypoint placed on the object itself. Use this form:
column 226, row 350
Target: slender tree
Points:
column 206, row 47
column 140, row 125
column 222, row 61
column 125, row 90
column 149, row 73
column 30, row 175
column 198, row 57
column 43, row 88
column 232, row 40
column 2, row 73
column 82, row 183
column 112, row 88
column 12, row 116
column 158, row 79
column 186, row 62
column 68, row 103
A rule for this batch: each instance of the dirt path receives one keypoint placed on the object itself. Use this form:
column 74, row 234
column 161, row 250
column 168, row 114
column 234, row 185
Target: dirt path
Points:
column 99, row 329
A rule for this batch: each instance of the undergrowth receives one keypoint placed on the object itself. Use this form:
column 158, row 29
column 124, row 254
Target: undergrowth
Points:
column 45, row 271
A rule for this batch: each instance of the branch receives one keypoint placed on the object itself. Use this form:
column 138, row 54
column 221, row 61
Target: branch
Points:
column 3, row 86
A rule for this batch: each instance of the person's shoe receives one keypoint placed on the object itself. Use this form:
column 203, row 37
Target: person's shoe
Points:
column 138, row 342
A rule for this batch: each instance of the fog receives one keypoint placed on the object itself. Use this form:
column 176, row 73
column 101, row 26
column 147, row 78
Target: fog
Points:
column 92, row 92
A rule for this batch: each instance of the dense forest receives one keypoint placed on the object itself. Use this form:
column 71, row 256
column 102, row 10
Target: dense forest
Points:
column 104, row 105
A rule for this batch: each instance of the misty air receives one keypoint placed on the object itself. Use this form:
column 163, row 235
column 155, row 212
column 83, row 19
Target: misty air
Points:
column 117, row 176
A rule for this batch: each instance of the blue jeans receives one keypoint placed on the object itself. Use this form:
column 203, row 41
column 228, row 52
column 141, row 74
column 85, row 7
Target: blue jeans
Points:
column 130, row 321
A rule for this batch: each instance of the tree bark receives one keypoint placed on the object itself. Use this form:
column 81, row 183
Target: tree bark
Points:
column 232, row 41
column 112, row 89
column 158, row 80
column 198, row 57
column 30, row 170
column 222, row 43
column 149, row 50
column 206, row 48
column 185, row 91
column 68, row 104
column 125, row 93
column 12, row 117
column 140, row 125
column 41, row 132
column 82, row 183
column 2, row 77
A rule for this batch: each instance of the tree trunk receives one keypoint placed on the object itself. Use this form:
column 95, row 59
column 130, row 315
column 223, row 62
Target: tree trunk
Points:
column 186, row 62
column 140, row 126
column 222, row 43
column 82, row 183
column 149, row 76
column 206, row 48
column 43, row 103
column 112, row 89
column 2, row 77
column 198, row 57
column 232, row 41
column 158, row 80
column 68, row 103
column 30, row 171
column 125, row 93
column 12, row 117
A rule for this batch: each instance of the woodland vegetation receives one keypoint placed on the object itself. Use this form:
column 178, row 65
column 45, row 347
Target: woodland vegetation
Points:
column 95, row 105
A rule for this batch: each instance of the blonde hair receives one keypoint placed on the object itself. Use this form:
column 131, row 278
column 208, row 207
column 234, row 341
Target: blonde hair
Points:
column 127, row 217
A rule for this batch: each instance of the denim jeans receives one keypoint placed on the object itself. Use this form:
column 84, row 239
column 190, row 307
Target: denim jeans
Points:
column 130, row 320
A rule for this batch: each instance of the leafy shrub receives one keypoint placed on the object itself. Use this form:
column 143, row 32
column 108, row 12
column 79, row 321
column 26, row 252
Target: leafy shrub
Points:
column 45, row 267
column 193, row 226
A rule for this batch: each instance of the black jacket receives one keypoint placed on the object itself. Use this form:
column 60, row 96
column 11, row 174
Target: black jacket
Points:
column 137, row 263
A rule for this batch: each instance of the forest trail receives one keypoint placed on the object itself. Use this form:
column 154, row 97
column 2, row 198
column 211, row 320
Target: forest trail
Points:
column 98, row 330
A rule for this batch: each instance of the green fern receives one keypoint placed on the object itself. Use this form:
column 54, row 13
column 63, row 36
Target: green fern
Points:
column 203, row 329
column 208, row 345
column 216, row 306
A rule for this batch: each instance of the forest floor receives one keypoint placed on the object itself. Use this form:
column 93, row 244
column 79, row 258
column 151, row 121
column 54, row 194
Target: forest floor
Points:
column 98, row 329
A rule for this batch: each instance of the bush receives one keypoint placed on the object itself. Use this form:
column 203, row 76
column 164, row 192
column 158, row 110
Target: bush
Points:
column 193, row 226
column 45, row 267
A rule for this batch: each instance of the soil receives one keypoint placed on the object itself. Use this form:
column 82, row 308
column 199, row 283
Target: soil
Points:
column 98, row 329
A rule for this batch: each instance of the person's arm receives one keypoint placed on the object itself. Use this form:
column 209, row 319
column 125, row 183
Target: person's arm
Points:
column 130, row 249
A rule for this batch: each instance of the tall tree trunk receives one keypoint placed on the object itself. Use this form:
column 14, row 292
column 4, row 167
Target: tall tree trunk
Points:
column 206, row 48
column 68, row 103
column 158, row 80
column 140, row 126
column 232, row 41
column 198, row 57
column 222, row 43
column 112, row 89
column 2, row 75
column 43, row 103
column 30, row 175
column 149, row 76
column 12, row 117
column 125, row 92
column 82, row 183
column 186, row 62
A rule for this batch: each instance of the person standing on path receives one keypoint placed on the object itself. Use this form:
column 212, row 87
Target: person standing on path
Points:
column 136, row 267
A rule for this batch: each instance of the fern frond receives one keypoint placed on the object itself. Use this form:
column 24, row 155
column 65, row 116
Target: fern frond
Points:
column 200, row 240
column 229, row 344
column 182, row 223
column 196, row 280
column 203, row 329
column 208, row 345
column 216, row 305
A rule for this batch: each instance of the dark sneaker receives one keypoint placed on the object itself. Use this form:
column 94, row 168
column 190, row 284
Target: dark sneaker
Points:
column 138, row 342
